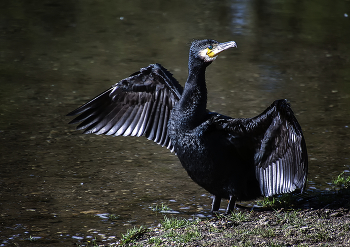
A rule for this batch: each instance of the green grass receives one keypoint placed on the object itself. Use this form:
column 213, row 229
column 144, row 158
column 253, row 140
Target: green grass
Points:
column 273, row 244
column 234, row 216
column 267, row 202
column 191, row 235
column 290, row 218
column 132, row 234
column 284, row 200
column 161, row 208
column 266, row 232
column 32, row 239
column 238, row 216
column 263, row 232
column 113, row 216
column 346, row 227
column 342, row 181
column 320, row 236
column 171, row 223
column 244, row 243
column 188, row 235
column 156, row 241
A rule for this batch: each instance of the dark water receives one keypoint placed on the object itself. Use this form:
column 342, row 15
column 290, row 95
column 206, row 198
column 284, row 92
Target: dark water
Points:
column 58, row 187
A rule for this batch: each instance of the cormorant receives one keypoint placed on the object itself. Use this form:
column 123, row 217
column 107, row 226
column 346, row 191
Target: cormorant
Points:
column 232, row 158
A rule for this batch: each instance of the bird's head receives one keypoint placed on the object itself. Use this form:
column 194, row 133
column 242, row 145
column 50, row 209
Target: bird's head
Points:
column 207, row 50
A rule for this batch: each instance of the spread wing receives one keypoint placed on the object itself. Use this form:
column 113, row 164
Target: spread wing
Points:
column 139, row 105
column 276, row 139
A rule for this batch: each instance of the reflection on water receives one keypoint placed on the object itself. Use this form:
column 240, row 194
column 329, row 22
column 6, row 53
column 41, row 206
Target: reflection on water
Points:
column 60, row 187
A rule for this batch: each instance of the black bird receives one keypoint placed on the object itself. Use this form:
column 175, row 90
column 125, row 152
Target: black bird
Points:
column 232, row 158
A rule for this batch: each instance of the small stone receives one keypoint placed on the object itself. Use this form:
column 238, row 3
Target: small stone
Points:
column 336, row 214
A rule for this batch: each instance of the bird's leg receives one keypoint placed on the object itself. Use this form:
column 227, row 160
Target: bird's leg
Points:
column 215, row 204
column 231, row 205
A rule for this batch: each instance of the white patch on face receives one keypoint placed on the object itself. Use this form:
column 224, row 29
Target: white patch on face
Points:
column 203, row 54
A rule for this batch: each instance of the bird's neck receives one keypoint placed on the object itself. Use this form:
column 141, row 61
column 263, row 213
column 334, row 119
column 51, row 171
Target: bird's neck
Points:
column 193, row 102
column 196, row 86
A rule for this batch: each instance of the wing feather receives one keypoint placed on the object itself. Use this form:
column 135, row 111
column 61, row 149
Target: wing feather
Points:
column 139, row 105
column 279, row 150
column 152, row 125
column 141, row 125
column 135, row 120
column 165, row 127
column 282, row 151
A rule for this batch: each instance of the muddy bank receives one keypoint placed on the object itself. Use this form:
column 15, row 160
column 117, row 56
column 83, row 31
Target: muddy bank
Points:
column 325, row 223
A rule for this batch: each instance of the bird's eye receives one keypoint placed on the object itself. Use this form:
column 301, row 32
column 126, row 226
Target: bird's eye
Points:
column 210, row 47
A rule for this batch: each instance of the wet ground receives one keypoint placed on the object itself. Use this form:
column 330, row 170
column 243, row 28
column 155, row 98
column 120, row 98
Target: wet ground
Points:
column 60, row 187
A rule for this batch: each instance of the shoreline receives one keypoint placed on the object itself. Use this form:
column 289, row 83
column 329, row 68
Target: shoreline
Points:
column 321, row 219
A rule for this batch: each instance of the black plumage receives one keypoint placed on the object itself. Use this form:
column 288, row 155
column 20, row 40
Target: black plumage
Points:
column 233, row 158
